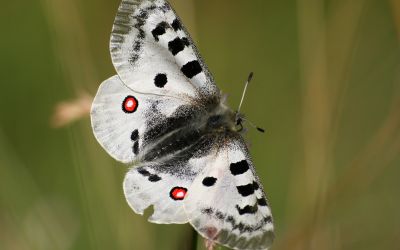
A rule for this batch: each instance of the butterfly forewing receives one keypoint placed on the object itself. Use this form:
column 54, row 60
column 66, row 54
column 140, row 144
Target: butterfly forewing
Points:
column 153, row 53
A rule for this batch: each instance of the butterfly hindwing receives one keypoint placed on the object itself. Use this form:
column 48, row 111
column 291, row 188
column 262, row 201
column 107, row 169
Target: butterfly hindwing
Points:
column 163, row 184
column 153, row 53
column 145, row 186
column 211, row 184
column 226, row 202
column 123, row 120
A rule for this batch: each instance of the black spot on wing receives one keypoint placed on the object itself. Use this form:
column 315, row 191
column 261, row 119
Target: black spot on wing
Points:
column 220, row 215
column 191, row 69
column 160, row 80
column 175, row 46
column 242, row 227
column 176, row 25
column 159, row 30
column 209, row 181
column 262, row 202
column 240, row 167
column 255, row 185
column 137, row 46
column 154, row 178
column 140, row 21
column 246, row 190
column 247, row 209
column 268, row 219
column 136, row 148
column 135, row 135
column 185, row 41
column 231, row 220
column 143, row 172
column 208, row 211
column 141, row 35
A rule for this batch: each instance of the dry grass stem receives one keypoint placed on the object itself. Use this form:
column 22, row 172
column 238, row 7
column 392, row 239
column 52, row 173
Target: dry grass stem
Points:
column 69, row 111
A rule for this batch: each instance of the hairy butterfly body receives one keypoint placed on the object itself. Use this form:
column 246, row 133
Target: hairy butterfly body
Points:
column 164, row 115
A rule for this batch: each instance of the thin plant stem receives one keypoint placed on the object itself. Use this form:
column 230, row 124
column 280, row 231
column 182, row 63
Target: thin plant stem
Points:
column 193, row 245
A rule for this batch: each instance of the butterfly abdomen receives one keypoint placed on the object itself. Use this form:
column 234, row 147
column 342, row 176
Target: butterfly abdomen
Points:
column 189, row 130
column 170, row 145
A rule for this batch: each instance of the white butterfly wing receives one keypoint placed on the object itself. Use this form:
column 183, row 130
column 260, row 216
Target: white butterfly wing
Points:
column 160, row 71
column 123, row 120
column 163, row 184
column 153, row 53
column 226, row 202
column 144, row 186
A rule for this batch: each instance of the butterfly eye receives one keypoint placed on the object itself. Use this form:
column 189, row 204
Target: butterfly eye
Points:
column 130, row 104
column 178, row 193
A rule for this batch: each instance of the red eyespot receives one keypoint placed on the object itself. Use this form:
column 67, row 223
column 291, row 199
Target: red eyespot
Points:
column 130, row 104
column 178, row 193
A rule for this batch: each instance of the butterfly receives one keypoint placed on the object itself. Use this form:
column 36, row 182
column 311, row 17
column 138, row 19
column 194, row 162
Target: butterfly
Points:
column 164, row 115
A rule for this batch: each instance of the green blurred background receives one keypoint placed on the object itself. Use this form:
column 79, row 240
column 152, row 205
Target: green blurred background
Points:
column 326, row 89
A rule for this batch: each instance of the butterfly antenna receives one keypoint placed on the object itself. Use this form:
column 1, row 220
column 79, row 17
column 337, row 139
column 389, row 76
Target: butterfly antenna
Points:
column 254, row 126
column 244, row 90
column 239, row 118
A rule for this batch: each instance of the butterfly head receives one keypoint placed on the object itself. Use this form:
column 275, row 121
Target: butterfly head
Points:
column 239, row 118
column 239, row 121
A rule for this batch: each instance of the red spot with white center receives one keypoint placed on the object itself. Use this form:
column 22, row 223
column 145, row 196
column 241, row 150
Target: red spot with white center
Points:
column 178, row 193
column 130, row 104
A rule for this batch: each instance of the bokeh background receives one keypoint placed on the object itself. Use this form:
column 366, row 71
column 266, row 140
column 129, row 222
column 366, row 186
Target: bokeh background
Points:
column 326, row 89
